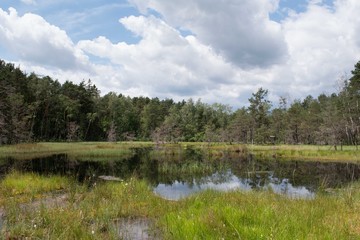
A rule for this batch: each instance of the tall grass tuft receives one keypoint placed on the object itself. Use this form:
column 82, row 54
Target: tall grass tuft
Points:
column 30, row 186
column 260, row 215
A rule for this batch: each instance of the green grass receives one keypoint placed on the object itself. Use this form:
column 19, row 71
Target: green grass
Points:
column 262, row 215
column 17, row 183
column 307, row 152
column 93, row 212
column 29, row 186
column 77, row 150
column 190, row 169
column 208, row 215
column 211, row 151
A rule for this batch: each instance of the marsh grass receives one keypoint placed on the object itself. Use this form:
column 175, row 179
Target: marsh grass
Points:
column 262, row 215
column 93, row 213
column 306, row 152
column 190, row 168
column 213, row 151
column 189, row 151
column 77, row 150
column 29, row 186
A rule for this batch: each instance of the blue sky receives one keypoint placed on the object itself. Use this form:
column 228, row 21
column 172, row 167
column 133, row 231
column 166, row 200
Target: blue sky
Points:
column 89, row 19
column 83, row 19
column 219, row 51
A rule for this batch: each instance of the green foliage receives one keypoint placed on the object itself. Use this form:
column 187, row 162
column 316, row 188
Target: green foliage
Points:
column 259, row 111
column 34, row 108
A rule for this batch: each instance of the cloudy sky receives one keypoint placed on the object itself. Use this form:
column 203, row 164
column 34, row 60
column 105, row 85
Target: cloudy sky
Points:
column 216, row 50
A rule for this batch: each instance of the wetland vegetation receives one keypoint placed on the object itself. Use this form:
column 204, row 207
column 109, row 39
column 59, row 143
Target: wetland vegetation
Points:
column 183, row 170
column 178, row 191
column 95, row 213
column 40, row 109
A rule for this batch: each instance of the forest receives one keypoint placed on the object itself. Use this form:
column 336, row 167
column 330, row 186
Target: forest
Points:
column 35, row 108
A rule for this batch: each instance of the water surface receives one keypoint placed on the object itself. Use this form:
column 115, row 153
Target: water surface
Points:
column 178, row 190
column 177, row 176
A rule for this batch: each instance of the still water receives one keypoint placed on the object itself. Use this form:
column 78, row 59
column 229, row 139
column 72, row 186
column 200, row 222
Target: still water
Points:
column 229, row 182
column 191, row 172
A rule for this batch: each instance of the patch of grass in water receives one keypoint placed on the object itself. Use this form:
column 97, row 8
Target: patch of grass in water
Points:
column 30, row 185
column 189, row 168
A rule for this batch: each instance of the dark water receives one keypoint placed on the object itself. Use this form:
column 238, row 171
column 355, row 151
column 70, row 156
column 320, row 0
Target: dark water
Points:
column 179, row 179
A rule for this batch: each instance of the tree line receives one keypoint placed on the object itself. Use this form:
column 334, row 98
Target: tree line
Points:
column 34, row 108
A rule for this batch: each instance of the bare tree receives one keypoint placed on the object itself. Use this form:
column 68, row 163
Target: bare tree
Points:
column 72, row 131
column 111, row 134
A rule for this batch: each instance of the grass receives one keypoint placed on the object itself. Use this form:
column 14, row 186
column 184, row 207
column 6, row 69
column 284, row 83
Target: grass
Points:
column 78, row 150
column 263, row 215
column 17, row 183
column 190, row 170
column 211, row 151
column 93, row 212
column 307, row 152
column 29, row 186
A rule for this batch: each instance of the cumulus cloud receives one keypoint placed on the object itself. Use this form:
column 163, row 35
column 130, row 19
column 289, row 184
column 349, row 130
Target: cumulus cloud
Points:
column 231, row 49
column 322, row 44
column 164, row 63
column 241, row 31
column 304, row 54
column 33, row 39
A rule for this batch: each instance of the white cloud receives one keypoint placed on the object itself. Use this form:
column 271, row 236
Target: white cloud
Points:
column 163, row 63
column 232, row 50
column 322, row 45
column 33, row 39
column 302, row 55
column 239, row 30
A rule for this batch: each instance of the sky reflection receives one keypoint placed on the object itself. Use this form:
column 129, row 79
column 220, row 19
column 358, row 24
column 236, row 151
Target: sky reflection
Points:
column 229, row 182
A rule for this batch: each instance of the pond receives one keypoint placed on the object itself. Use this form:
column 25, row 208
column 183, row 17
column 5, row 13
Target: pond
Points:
column 228, row 182
column 174, row 176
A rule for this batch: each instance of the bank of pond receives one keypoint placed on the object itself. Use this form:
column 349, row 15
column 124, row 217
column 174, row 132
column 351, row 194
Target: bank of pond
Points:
column 178, row 191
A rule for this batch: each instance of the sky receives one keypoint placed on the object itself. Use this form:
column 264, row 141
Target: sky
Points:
column 214, row 50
